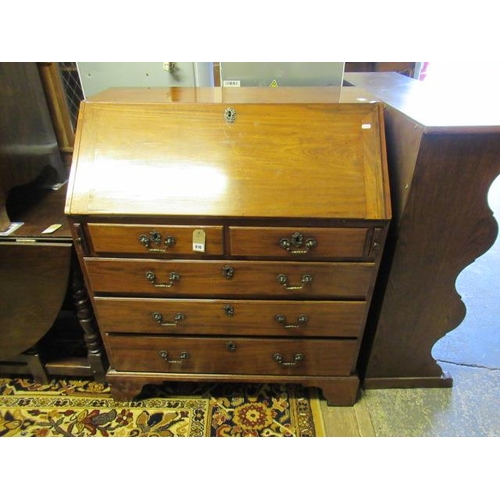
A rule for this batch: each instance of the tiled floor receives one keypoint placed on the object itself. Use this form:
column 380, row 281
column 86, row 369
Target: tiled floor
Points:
column 470, row 354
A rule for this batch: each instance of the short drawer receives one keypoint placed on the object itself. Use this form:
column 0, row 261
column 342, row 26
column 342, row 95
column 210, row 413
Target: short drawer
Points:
column 298, row 243
column 231, row 317
column 258, row 279
column 234, row 355
column 154, row 240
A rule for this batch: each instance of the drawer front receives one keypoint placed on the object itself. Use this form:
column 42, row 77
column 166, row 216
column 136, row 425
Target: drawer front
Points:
column 298, row 243
column 231, row 355
column 184, row 278
column 231, row 317
column 154, row 240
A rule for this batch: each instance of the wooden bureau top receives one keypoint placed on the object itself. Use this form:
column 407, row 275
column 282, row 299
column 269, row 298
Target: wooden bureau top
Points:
column 291, row 152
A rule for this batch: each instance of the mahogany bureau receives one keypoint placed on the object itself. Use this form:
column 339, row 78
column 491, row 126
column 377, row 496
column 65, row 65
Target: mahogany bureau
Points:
column 230, row 234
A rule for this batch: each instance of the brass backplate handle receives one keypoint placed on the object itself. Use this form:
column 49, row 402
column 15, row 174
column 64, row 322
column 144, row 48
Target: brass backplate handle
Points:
column 297, row 358
column 304, row 280
column 158, row 317
column 173, row 278
column 182, row 357
column 301, row 321
column 297, row 244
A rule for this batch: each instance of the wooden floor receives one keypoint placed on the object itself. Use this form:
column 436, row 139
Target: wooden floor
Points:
column 351, row 421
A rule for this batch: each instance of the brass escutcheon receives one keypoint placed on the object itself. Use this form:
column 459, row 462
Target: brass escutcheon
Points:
column 228, row 310
column 227, row 272
column 230, row 115
column 230, row 346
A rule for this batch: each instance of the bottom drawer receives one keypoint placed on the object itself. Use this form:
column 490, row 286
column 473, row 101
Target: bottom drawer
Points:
column 231, row 355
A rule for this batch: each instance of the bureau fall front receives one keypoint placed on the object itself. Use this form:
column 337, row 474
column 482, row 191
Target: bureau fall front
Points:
column 230, row 234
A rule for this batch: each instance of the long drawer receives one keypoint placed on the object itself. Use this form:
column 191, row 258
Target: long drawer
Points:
column 231, row 355
column 231, row 317
column 158, row 240
column 192, row 278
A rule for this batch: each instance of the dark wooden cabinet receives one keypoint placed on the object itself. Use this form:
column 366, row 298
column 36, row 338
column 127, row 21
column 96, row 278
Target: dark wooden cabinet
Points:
column 443, row 147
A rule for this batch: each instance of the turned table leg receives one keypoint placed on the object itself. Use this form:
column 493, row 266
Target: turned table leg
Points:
column 85, row 315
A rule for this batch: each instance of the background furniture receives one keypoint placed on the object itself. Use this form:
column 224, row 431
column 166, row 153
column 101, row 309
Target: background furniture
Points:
column 28, row 146
column 37, row 268
column 404, row 68
column 47, row 325
column 444, row 153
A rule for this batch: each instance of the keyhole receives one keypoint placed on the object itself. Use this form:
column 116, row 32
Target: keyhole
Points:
column 231, row 346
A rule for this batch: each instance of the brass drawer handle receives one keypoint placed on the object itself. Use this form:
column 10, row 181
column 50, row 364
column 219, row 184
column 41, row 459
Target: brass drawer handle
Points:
column 164, row 355
column 173, row 278
column 297, row 358
column 295, row 244
column 159, row 319
column 155, row 238
column 301, row 320
column 283, row 280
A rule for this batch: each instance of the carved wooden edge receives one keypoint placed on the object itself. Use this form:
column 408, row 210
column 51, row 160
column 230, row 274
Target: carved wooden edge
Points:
column 338, row 391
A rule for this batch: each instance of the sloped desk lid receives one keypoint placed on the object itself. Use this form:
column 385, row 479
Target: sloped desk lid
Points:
column 171, row 152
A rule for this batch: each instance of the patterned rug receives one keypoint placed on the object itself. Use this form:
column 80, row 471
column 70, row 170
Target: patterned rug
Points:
column 85, row 408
